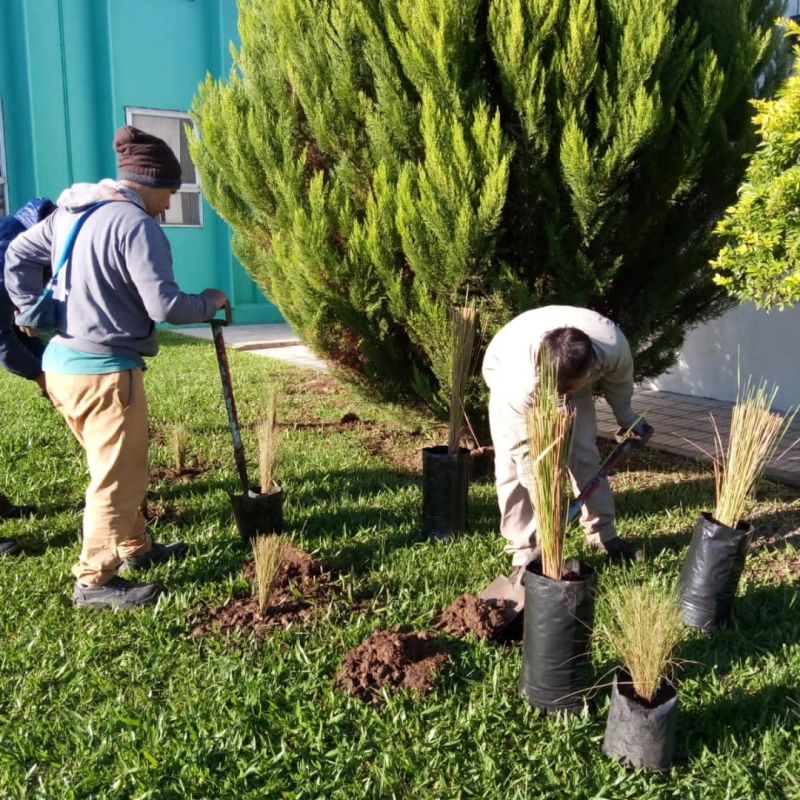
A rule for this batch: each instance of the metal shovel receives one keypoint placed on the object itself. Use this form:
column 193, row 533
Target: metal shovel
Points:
column 227, row 393
column 255, row 513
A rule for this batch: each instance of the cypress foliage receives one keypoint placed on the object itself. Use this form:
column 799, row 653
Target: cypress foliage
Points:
column 380, row 159
column 760, row 256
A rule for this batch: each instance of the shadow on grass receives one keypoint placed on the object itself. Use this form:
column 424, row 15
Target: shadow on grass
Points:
column 697, row 491
column 191, row 487
column 763, row 621
column 742, row 716
column 776, row 529
column 330, row 504
column 320, row 486
column 650, row 459
column 217, row 564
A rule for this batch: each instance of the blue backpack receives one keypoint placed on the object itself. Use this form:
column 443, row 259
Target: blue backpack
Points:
column 11, row 227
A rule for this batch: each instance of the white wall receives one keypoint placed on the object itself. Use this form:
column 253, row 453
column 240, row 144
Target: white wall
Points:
column 765, row 345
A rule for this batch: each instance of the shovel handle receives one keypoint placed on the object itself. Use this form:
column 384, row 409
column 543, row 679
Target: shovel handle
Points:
column 619, row 451
column 230, row 402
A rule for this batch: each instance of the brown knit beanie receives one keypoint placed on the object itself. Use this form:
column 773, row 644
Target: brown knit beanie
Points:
column 146, row 159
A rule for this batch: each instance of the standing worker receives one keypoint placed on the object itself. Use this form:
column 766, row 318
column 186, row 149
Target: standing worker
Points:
column 20, row 354
column 591, row 352
column 120, row 282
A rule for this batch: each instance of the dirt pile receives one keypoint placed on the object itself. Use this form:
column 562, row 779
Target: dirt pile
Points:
column 471, row 616
column 303, row 585
column 394, row 660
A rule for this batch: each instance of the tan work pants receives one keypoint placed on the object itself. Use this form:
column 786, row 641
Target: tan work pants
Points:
column 517, row 515
column 108, row 415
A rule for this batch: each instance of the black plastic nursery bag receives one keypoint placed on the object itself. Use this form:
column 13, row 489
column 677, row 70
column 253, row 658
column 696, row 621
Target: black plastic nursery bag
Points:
column 558, row 623
column 445, row 489
column 711, row 572
column 258, row 514
column 638, row 735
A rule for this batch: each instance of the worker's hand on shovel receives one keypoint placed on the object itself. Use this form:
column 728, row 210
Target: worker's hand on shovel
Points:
column 639, row 434
column 220, row 298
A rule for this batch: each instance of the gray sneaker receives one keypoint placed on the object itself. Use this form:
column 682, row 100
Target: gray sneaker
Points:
column 117, row 593
column 157, row 554
column 8, row 547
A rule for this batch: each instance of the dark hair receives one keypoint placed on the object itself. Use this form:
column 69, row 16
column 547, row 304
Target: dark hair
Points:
column 571, row 349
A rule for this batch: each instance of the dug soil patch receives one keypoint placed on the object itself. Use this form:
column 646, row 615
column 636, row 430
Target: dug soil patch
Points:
column 392, row 660
column 172, row 475
column 156, row 511
column 303, row 585
column 471, row 616
column 778, row 570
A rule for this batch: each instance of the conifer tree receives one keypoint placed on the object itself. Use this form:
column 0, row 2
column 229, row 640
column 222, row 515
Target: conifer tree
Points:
column 760, row 257
column 380, row 159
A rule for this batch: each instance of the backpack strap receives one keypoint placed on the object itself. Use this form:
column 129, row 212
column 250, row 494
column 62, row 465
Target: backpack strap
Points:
column 66, row 253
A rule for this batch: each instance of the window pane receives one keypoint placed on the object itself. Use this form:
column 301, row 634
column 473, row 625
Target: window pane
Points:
column 187, row 167
column 190, row 205
column 183, row 210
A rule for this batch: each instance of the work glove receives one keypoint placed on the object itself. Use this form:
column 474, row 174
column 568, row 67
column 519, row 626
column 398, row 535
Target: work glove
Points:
column 639, row 434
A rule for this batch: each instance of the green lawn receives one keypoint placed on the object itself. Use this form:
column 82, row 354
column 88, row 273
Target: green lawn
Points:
column 128, row 706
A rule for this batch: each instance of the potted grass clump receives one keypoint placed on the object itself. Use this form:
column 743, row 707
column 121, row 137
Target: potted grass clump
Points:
column 559, row 594
column 260, row 510
column 710, row 574
column 642, row 623
column 446, row 469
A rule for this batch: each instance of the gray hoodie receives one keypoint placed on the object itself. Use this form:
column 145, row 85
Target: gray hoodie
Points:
column 117, row 284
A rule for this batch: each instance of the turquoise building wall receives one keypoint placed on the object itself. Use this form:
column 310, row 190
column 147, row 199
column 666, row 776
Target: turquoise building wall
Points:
column 69, row 69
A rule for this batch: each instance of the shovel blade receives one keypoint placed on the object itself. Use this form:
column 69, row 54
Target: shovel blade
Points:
column 510, row 593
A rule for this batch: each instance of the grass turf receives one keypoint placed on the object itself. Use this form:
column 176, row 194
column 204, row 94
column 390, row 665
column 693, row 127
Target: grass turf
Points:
column 103, row 705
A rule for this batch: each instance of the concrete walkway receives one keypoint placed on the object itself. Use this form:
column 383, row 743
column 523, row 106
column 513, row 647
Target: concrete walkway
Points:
column 277, row 341
column 678, row 418
column 675, row 417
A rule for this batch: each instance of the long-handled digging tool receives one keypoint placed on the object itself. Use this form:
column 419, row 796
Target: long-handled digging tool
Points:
column 509, row 591
column 255, row 513
column 227, row 393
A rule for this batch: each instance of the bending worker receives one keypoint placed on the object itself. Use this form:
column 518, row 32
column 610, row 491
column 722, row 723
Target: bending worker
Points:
column 592, row 354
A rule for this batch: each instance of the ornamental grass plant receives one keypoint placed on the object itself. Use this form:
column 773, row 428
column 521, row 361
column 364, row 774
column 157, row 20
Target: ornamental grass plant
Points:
column 267, row 555
column 464, row 326
column 549, row 424
column 642, row 623
column 756, row 432
column 268, row 443
column 179, row 442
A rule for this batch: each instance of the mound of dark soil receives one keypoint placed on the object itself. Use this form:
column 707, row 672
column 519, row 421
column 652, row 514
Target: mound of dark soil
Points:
column 300, row 569
column 471, row 616
column 393, row 660
column 303, row 585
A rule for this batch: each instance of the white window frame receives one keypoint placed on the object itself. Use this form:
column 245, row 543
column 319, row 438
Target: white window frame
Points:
column 188, row 188
column 3, row 168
